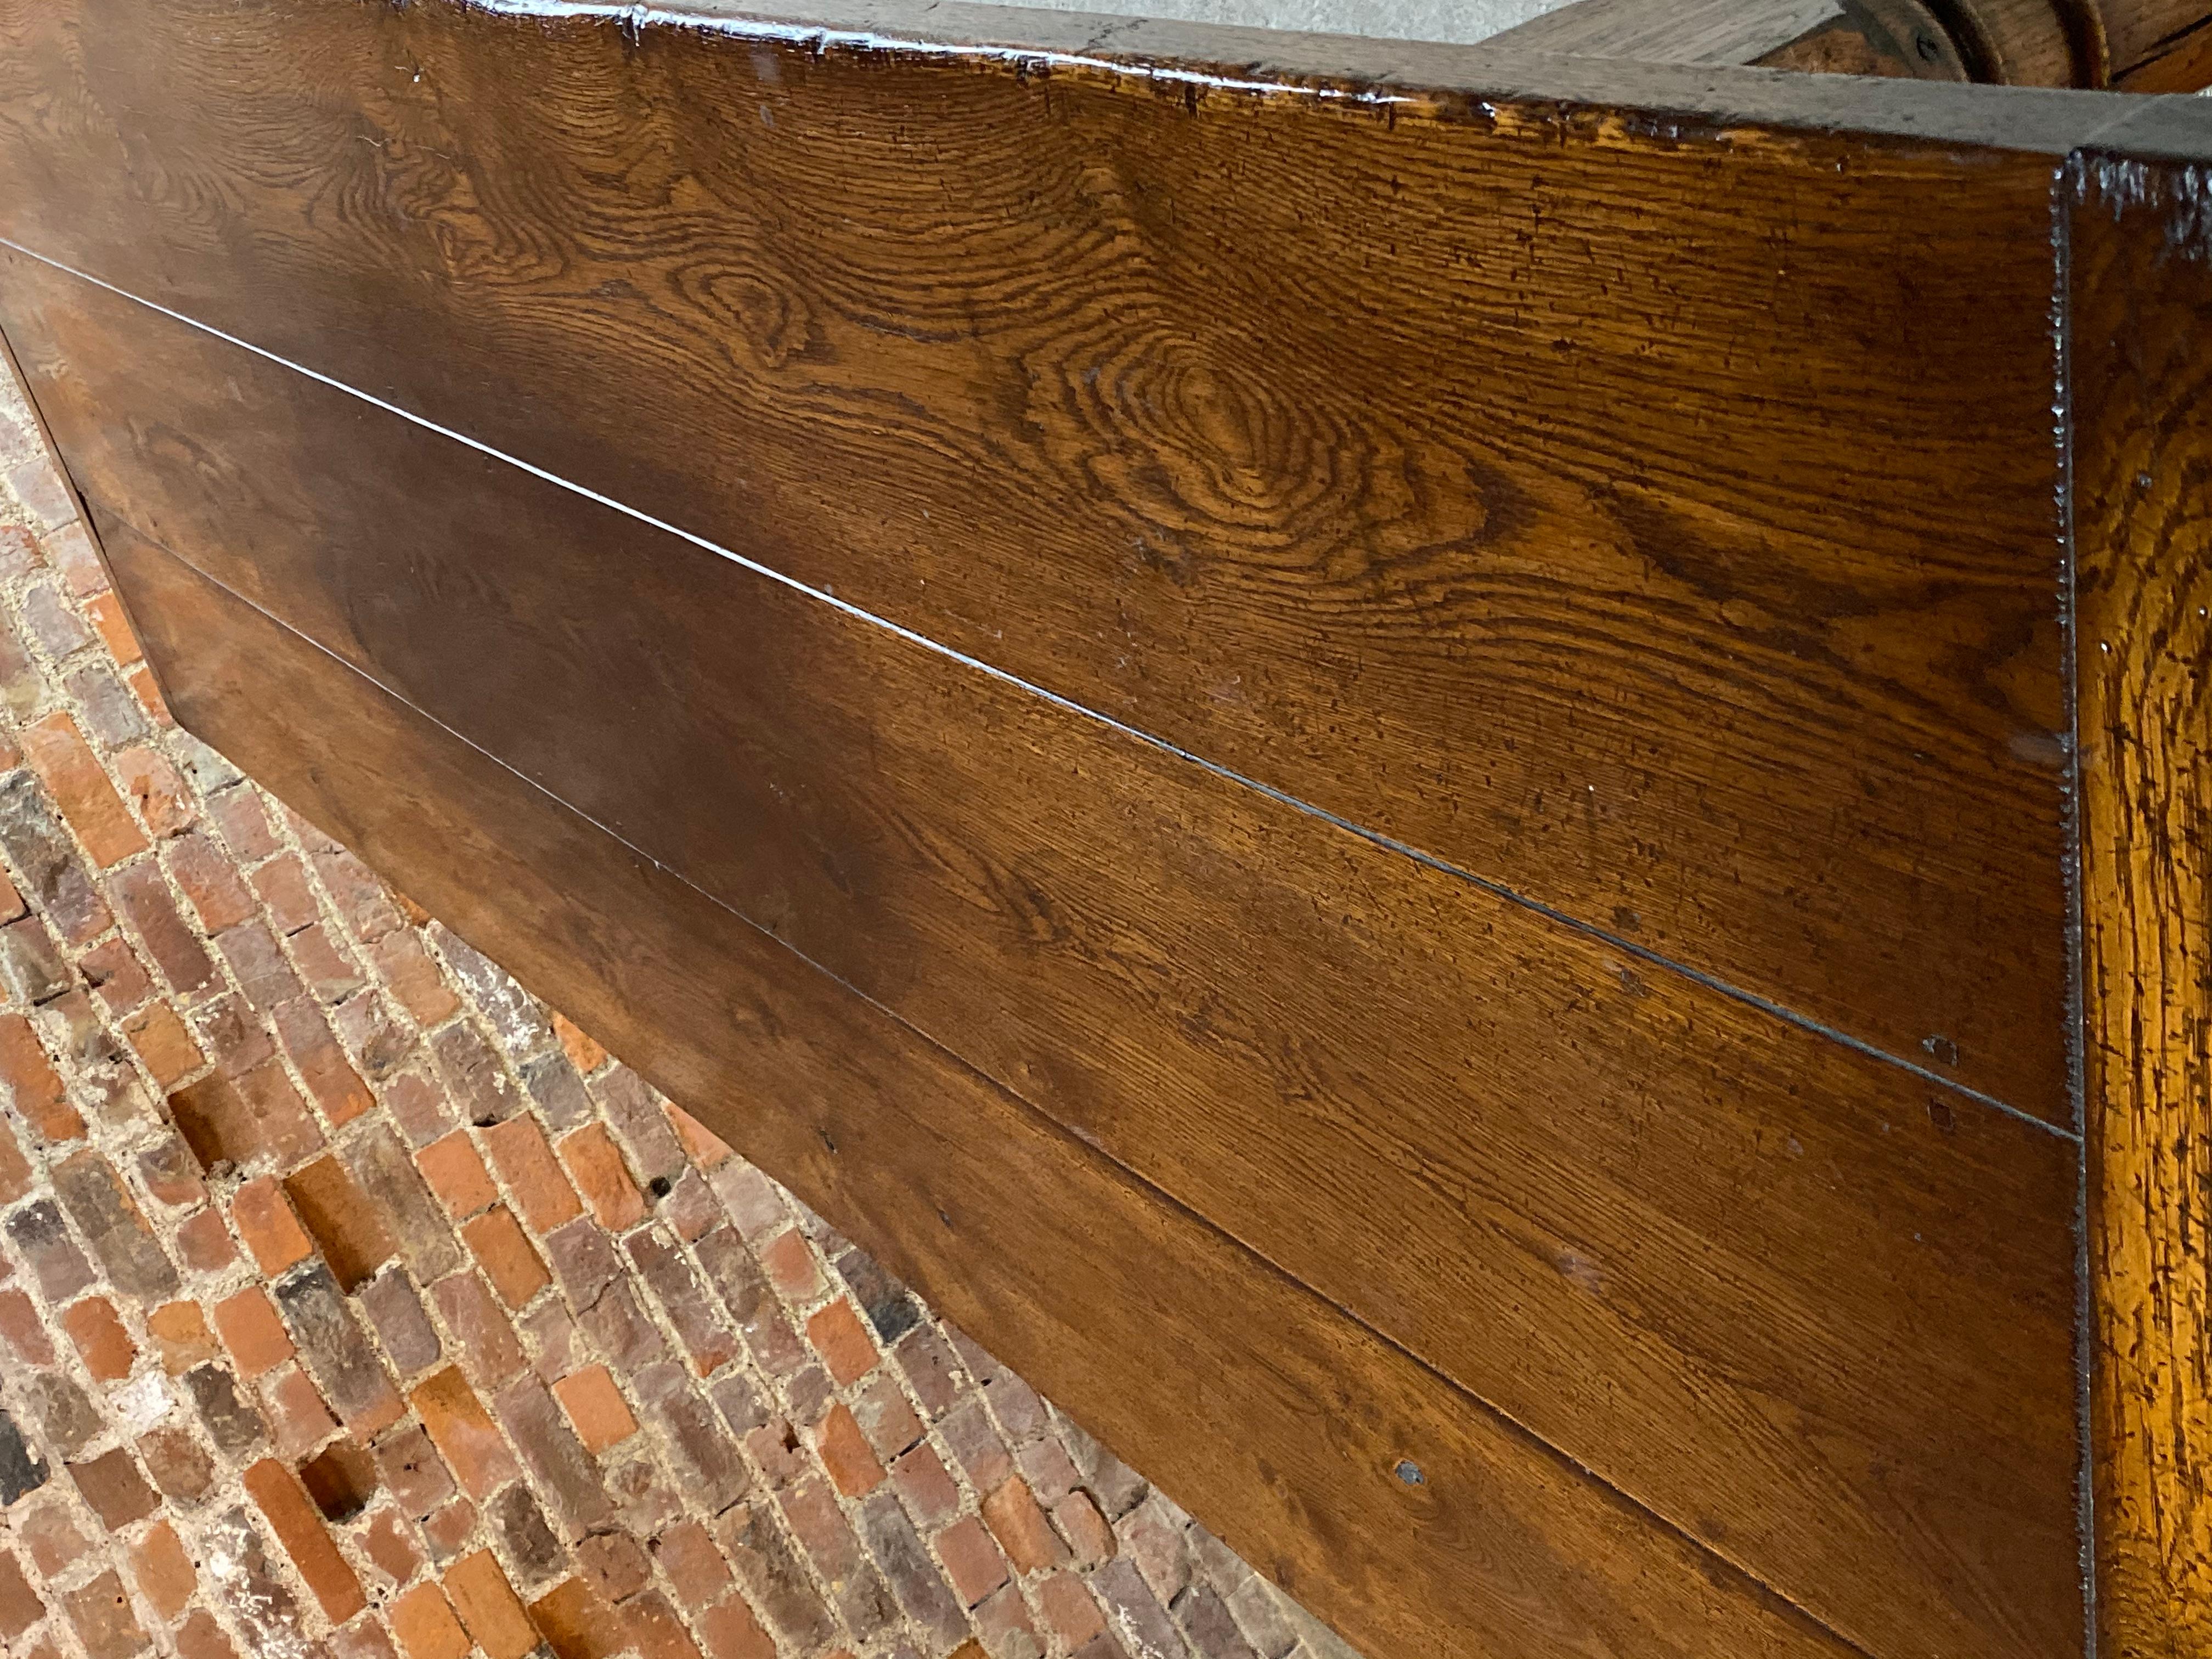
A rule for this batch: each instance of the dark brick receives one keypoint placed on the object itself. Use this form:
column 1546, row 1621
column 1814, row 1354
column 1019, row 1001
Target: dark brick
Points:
column 22, row 687
column 263, row 973
column 864, row 1600
column 745, row 1291
column 175, row 949
column 58, row 629
column 473, row 1075
column 38, row 1230
column 313, row 1046
column 255, row 1596
column 405, row 1330
column 898, row 1550
column 540, row 1433
column 110, row 711
column 416, row 1475
column 235, row 1423
column 705, row 1338
column 67, row 1421
column 177, row 1463
column 172, row 1174
column 559, row 1092
column 513, row 1013
column 703, row 1456
column 773, row 1579
column 480, row 1326
column 233, row 1036
column 331, row 975
column 378, row 1046
column 632, row 1107
column 397, row 1187
column 741, row 1405
column 112, row 1485
column 332, row 1342
column 22, row 1470
column 531, row 1548
column 613, row 1564
column 1206, row 1619
column 20, row 1606
column 972, row 1437
column 1004, row 1624
column 114, row 970
column 30, row 966
column 109, row 1217
column 1116, row 1487
column 46, row 860
column 1133, row 1606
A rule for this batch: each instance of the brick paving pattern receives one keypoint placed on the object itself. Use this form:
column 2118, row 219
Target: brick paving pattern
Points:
column 354, row 1306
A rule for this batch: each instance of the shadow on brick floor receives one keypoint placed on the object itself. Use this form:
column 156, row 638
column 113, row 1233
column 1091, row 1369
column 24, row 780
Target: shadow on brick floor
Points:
column 352, row 1305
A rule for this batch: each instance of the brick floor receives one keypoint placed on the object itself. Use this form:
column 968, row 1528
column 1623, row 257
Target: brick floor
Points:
column 353, row 1305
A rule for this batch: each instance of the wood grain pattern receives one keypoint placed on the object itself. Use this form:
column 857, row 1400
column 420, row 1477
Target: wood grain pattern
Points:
column 1806, row 1306
column 1280, row 1421
column 1463, row 463
column 2141, row 306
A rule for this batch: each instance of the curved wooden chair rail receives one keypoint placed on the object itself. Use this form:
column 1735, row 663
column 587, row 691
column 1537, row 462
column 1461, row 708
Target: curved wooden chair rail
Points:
column 1469, row 785
column 2132, row 45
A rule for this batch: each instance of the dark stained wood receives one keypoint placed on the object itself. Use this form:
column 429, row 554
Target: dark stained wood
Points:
column 1650, row 509
column 2140, row 313
column 1805, row 1305
column 1283, row 1422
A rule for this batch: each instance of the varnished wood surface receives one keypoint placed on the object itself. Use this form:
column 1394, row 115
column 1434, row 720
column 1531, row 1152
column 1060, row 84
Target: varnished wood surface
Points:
column 1282, row 1422
column 2141, row 311
column 1805, row 1305
column 1468, row 466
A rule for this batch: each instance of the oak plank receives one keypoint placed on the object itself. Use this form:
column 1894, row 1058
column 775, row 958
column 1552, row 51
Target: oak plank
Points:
column 1261, row 1408
column 2140, row 306
column 1805, row 1305
column 1648, row 510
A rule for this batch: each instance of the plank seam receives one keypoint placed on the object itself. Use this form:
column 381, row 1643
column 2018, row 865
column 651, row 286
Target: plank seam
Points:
column 1536, row 907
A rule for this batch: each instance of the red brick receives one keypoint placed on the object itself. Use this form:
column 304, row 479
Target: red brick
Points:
column 595, row 1163
column 299, row 1528
column 846, row 1454
column 731, row 1631
column 25, row 1332
column 423, row 1621
column 838, row 1336
column 364, row 1638
column 251, row 1329
column 204, row 1242
column 586, row 1055
column 971, row 1560
column 449, row 1530
column 412, row 974
column 389, row 1543
column 283, row 886
column 162, row 1570
column 331, row 974
column 576, row 1624
column 302, row 1417
column 264, row 974
column 117, row 1492
column 1085, row 1530
column 456, row 1173
column 113, row 969
column 463, row 1432
column 1019, row 1525
column 176, row 949
column 885, row 1416
column 793, row 1267
column 163, row 1043
column 346, row 1227
column 515, row 1269
column 596, row 1406
column 265, row 1220
column 51, row 1536
column 178, row 1464
column 659, row 1633
column 1003, row 1621
column 701, row 1145
column 330, row 1076
column 100, row 1612
column 200, row 1637
column 209, row 880
column 107, row 613
column 163, row 799
column 613, row 1565
column 15, row 1169
column 179, row 1329
column 541, row 1192
column 489, row 1607
column 929, row 1490
column 105, row 1346
column 237, row 812
column 480, row 1326
column 34, row 1084
column 689, row 1557
column 20, row 1606
column 413, row 1472
column 1070, row 1610
column 73, row 776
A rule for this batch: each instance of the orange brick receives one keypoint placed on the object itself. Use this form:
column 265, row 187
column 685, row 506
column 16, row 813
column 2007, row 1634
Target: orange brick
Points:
column 164, row 804
column 36, row 1085
column 163, row 1571
column 487, row 1605
column 180, row 1330
column 423, row 1621
column 576, row 1624
column 299, row 1526
column 265, row 1220
column 107, row 613
column 57, row 753
column 107, row 1348
column 586, row 1055
column 842, row 1341
column 463, row 1433
column 700, row 1144
column 163, row 1043
column 595, row 1163
column 541, row 1192
column 513, row 1266
column 791, row 1267
column 1019, row 1525
column 346, row 1227
column 596, row 1406
column 251, row 1331
column 846, row 1454
column 149, row 695
column 456, row 1173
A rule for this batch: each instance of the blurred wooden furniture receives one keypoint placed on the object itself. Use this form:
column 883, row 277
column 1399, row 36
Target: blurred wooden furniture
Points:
column 1469, row 787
